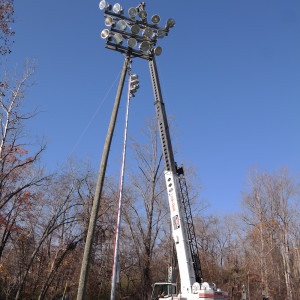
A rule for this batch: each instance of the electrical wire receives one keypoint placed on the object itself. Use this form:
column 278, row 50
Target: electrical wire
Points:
column 92, row 117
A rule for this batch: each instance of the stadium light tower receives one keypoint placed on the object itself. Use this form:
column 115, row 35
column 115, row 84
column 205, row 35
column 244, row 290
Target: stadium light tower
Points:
column 133, row 36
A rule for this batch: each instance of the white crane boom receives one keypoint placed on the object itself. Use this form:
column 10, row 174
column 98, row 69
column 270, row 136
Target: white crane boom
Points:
column 188, row 265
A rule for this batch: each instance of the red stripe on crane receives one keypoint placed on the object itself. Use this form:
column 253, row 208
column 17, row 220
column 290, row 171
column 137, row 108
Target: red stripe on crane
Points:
column 211, row 296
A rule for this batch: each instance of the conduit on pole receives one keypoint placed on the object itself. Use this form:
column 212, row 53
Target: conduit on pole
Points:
column 115, row 269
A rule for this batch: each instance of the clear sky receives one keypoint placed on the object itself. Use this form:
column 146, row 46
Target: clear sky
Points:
column 230, row 74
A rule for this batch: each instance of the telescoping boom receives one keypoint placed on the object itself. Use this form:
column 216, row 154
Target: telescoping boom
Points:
column 191, row 285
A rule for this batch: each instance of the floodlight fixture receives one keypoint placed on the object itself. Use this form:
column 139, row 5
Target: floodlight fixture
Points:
column 155, row 19
column 108, row 21
column 132, row 42
column 134, row 77
column 132, row 12
column 143, row 14
column 140, row 39
column 134, row 85
column 144, row 46
column 135, row 29
column 170, row 23
column 134, row 88
column 102, row 4
column 147, row 32
column 117, row 8
column 161, row 33
column 158, row 51
column 117, row 37
column 122, row 24
column 104, row 33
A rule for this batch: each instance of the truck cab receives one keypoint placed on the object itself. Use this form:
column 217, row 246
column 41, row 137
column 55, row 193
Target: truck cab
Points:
column 164, row 290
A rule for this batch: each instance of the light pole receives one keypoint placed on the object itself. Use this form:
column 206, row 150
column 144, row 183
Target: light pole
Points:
column 122, row 30
column 133, row 85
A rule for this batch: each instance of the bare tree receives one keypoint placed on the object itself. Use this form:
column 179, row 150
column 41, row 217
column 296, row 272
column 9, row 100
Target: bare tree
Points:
column 6, row 19
column 19, row 171
column 256, row 202
column 272, row 210
column 284, row 193
column 145, row 211
column 57, row 209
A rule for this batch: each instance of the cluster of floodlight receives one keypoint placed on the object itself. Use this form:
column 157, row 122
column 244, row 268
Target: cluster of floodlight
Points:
column 131, row 29
column 134, row 85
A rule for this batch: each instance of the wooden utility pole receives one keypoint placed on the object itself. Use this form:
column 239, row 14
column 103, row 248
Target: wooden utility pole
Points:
column 96, row 203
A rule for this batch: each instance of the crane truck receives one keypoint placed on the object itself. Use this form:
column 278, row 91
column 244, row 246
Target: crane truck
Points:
column 191, row 283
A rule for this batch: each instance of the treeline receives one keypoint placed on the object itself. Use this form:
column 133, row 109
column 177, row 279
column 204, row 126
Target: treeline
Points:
column 258, row 249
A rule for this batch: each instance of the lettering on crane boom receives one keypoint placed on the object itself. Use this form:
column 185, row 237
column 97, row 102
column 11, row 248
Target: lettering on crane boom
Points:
column 171, row 196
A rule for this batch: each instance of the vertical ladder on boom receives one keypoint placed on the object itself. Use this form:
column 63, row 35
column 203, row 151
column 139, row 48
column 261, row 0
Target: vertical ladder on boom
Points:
column 190, row 224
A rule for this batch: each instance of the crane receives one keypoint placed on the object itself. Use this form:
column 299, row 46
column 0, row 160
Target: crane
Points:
column 191, row 282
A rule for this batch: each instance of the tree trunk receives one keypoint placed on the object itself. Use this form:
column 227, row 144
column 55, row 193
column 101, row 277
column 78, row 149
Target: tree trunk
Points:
column 286, row 266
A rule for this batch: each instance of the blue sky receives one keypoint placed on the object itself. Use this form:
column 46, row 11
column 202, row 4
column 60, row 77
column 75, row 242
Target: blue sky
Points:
column 230, row 72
